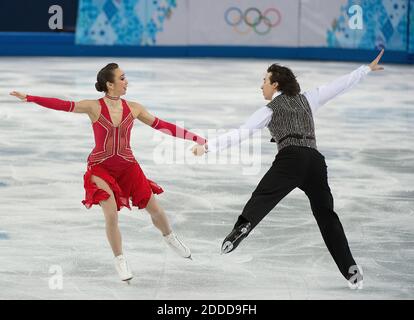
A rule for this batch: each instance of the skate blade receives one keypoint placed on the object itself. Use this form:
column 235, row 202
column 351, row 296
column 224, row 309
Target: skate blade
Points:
column 128, row 281
column 356, row 286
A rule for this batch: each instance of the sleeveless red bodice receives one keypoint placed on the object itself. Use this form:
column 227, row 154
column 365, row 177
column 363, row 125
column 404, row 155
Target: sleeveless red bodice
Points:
column 112, row 144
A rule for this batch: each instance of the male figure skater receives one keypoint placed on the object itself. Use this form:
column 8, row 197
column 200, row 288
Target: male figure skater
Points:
column 298, row 163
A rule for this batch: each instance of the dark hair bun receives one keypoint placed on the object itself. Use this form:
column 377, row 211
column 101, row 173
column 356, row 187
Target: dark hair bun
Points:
column 105, row 75
column 98, row 87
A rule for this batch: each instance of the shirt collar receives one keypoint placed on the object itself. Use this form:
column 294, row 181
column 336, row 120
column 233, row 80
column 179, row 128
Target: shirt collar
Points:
column 277, row 93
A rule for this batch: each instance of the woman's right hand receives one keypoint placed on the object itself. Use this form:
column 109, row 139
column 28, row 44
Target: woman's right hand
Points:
column 21, row 96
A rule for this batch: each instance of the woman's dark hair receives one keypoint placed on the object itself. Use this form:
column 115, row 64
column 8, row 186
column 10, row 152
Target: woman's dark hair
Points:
column 104, row 75
column 285, row 78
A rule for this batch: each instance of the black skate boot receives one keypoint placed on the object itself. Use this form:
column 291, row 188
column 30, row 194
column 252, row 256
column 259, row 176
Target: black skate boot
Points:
column 240, row 231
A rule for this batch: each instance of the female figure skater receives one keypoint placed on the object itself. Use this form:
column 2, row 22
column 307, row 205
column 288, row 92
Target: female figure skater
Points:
column 113, row 176
column 289, row 118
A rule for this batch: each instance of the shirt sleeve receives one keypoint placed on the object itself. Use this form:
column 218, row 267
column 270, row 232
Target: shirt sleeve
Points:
column 256, row 121
column 321, row 95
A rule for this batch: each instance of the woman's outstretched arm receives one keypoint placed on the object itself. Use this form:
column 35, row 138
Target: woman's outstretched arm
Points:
column 84, row 106
column 166, row 127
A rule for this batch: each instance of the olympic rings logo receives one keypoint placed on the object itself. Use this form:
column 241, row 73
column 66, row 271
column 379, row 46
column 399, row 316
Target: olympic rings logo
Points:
column 254, row 19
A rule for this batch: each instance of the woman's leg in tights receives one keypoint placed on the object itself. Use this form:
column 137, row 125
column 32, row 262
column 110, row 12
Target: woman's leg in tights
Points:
column 111, row 217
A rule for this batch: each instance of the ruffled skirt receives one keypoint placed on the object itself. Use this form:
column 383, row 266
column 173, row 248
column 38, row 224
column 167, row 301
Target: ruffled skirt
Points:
column 128, row 184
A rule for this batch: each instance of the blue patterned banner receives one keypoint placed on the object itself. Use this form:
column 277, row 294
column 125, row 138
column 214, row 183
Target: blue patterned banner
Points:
column 121, row 22
column 411, row 40
column 384, row 25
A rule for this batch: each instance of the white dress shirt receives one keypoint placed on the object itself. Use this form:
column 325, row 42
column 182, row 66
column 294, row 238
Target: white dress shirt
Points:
column 261, row 118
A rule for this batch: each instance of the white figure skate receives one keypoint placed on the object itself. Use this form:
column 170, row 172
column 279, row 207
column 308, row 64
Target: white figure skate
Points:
column 177, row 245
column 121, row 265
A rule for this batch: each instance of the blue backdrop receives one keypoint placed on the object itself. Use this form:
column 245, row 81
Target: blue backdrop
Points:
column 131, row 28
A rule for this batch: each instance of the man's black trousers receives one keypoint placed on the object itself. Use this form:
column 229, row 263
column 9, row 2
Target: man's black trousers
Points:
column 306, row 169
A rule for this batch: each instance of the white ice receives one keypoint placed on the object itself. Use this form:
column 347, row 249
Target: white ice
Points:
column 365, row 135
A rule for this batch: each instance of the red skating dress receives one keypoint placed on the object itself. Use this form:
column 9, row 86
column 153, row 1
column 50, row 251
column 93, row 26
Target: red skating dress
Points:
column 113, row 161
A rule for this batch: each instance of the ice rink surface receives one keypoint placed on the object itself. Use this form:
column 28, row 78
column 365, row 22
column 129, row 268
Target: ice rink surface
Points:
column 366, row 136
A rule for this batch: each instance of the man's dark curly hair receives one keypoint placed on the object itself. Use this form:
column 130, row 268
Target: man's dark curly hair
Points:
column 285, row 78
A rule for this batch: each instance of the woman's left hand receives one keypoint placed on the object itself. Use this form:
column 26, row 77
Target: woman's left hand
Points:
column 198, row 150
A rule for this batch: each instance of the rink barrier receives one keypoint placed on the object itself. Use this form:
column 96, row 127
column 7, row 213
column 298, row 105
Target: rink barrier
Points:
column 63, row 44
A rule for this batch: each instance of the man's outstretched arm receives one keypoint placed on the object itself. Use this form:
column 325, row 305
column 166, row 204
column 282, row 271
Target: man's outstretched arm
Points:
column 321, row 95
column 256, row 121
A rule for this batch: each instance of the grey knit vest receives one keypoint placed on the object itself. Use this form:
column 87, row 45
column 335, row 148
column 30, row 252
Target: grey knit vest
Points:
column 291, row 115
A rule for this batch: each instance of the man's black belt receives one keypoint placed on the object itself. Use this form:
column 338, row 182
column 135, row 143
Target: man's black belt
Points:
column 296, row 136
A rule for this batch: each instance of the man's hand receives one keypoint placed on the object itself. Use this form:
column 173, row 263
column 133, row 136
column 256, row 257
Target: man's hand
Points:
column 198, row 150
column 19, row 95
column 374, row 64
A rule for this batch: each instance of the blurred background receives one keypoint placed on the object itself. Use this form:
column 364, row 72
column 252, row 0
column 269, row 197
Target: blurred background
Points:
column 304, row 29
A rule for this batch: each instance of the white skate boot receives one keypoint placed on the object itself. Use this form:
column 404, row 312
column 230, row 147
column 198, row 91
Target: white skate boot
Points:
column 356, row 278
column 122, row 267
column 177, row 245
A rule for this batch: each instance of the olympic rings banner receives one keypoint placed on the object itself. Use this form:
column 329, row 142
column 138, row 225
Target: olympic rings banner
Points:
column 188, row 22
column 253, row 19
column 253, row 23
column 270, row 23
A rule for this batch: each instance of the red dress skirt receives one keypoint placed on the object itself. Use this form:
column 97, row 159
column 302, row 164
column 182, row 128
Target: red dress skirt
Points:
column 126, row 180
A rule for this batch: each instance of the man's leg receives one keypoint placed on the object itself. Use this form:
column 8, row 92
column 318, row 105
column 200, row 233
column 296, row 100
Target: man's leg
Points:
column 317, row 189
column 285, row 174
column 274, row 186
